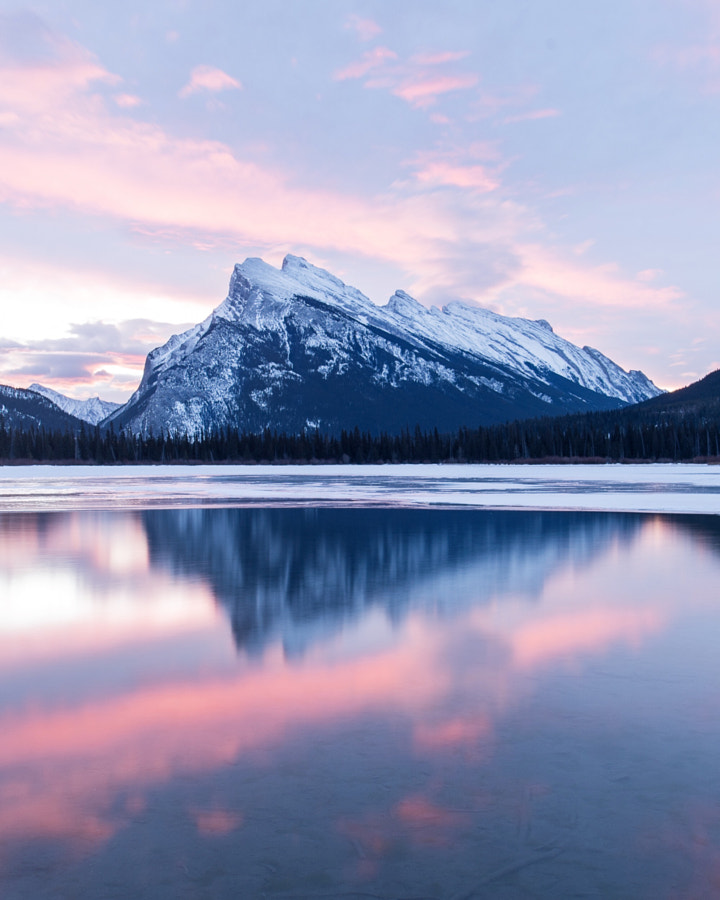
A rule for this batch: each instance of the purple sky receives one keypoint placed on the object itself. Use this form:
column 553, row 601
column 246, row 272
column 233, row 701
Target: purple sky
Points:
column 551, row 159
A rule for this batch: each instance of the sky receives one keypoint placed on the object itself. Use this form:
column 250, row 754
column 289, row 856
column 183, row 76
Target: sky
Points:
column 549, row 159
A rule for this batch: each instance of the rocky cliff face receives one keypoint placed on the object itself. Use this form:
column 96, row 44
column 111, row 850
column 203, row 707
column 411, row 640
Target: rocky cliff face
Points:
column 296, row 348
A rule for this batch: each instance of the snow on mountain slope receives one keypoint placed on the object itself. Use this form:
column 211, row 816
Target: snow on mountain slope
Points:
column 296, row 347
column 92, row 410
column 24, row 409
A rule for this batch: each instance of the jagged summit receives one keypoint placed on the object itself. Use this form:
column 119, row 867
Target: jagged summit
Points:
column 402, row 304
column 296, row 347
column 93, row 410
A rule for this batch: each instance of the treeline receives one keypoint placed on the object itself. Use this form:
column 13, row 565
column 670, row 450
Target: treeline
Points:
column 598, row 437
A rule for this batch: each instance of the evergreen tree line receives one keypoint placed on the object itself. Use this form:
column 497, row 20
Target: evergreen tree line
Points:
column 600, row 437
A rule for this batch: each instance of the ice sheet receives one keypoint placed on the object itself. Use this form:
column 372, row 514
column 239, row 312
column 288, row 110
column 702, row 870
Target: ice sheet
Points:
column 672, row 488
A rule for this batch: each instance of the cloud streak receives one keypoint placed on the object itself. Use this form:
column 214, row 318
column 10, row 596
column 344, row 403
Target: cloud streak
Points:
column 450, row 227
column 415, row 81
column 210, row 79
column 365, row 29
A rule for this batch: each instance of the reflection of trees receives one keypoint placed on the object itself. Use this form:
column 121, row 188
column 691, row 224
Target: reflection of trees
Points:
column 705, row 529
column 286, row 570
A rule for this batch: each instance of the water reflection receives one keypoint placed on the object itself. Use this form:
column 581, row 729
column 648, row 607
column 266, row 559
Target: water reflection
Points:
column 424, row 703
column 296, row 573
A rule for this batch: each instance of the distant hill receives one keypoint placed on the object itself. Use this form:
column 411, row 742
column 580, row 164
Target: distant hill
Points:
column 699, row 398
column 678, row 425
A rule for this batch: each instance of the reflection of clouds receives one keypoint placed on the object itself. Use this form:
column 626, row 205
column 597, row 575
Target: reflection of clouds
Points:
column 60, row 761
column 217, row 822
column 74, row 582
column 579, row 633
column 457, row 732
column 415, row 821
column 430, row 691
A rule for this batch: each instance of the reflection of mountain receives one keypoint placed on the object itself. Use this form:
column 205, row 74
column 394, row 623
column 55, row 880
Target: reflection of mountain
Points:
column 290, row 572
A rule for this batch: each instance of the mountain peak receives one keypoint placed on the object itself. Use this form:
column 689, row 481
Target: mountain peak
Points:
column 304, row 272
column 93, row 410
column 404, row 305
column 295, row 263
column 295, row 347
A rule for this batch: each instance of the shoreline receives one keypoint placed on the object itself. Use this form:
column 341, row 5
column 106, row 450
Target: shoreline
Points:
column 655, row 488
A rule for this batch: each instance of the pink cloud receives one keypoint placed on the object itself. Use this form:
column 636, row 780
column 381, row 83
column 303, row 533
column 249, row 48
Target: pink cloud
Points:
column 459, row 167
column 486, row 105
column 208, row 78
column 438, row 59
column 366, row 29
column 64, row 147
column 127, row 101
column 423, row 91
column 457, row 176
column 370, row 60
column 690, row 56
column 700, row 56
column 533, row 115
column 34, row 89
column 582, row 248
column 416, row 81
column 649, row 274
column 600, row 285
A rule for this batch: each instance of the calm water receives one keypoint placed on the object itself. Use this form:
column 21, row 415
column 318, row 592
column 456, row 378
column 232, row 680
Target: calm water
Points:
column 364, row 703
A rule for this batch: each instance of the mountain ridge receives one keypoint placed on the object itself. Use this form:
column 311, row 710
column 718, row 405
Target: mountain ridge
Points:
column 92, row 410
column 295, row 348
column 24, row 409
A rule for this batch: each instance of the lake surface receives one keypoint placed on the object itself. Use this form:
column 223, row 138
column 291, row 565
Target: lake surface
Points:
column 677, row 488
column 359, row 703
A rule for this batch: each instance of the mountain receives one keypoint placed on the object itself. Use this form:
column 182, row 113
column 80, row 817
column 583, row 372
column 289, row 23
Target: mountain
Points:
column 24, row 409
column 93, row 410
column 296, row 348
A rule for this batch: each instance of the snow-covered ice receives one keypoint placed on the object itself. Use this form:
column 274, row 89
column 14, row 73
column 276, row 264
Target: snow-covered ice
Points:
column 672, row 488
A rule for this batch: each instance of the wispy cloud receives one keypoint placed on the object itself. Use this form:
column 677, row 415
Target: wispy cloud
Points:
column 365, row 29
column 532, row 115
column 67, row 147
column 461, row 167
column 439, row 59
column 209, row 78
column 417, row 80
column 127, row 101
column 422, row 90
column 370, row 60
column 439, row 172
column 594, row 285
column 699, row 55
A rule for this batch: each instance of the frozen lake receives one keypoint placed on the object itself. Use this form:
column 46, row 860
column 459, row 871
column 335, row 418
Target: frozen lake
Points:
column 678, row 488
column 342, row 683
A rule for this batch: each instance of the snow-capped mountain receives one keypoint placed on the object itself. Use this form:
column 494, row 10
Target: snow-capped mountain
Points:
column 25, row 409
column 92, row 410
column 296, row 348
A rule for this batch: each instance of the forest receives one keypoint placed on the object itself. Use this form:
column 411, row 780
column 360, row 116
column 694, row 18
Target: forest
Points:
column 620, row 436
